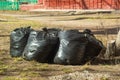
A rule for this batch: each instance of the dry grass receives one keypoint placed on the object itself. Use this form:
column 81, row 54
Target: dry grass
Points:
column 10, row 23
column 19, row 69
column 106, row 38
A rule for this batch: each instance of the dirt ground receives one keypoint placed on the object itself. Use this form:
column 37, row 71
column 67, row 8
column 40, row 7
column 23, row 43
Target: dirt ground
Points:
column 73, row 21
column 19, row 69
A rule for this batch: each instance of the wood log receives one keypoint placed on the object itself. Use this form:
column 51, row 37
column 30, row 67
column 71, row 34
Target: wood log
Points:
column 110, row 49
column 117, row 43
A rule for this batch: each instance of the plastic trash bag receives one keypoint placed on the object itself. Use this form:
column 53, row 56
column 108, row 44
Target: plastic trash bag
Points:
column 18, row 41
column 93, row 46
column 42, row 45
column 77, row 47
column 72, row 47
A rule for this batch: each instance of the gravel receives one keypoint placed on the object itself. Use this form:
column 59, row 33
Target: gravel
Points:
column 85, row 75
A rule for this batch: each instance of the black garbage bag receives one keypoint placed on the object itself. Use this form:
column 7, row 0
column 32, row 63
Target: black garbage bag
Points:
column 18, row 41
column 77, row 47
column 93, row 46
column 42, row 45
column 72, row 47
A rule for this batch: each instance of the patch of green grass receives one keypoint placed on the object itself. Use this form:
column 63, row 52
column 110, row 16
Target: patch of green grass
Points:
column 3, row 69
column 18, row 59
column 85, row 67
column 104, row 78
column 13, row 68
column 30, row 74
column 1, row 62
column 43, row 67
column 66, row 70
column 2, row 72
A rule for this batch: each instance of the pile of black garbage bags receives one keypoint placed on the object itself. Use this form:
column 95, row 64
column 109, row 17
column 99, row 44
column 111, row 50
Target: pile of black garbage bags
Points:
column 54, row 45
